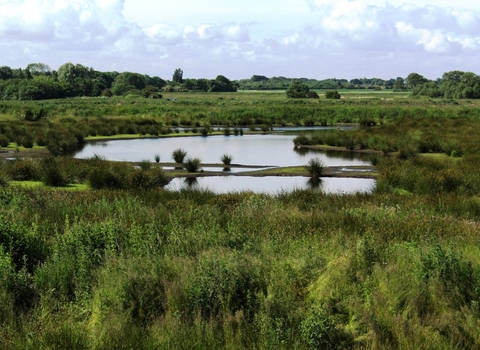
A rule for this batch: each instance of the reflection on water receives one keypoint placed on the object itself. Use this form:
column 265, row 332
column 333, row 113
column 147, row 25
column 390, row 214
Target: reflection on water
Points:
column 333, row 154
column 190, row 181
column 271, row 184
column 314, row 183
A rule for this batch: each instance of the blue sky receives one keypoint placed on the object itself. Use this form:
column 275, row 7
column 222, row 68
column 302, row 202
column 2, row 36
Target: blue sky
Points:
column 293, row 38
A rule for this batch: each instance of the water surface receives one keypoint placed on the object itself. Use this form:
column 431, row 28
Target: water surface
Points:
column 272, row 184
column 260, row 150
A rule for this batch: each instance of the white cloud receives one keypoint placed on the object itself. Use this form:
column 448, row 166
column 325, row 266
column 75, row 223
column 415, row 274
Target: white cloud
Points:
column 337, row 38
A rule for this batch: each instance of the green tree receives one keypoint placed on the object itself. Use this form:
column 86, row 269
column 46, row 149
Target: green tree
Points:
column 178, row 76
column 128, row 78
column 297, row 90
column 333, row 94
column 39, row 69
column 399, row 84
column 70, row 72
column 221, row 84
column 6, row 73
column 415, row 79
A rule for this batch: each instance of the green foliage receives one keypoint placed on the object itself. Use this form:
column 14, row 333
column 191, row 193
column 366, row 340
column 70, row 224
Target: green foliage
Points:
column 315, row 167
column 179, row 155
column 178, row 76
column 300, row 90
column 226, row 159
column 145, row 164
column 52, row 174
column 192, row 165
column 318, row 331
column 332, row 94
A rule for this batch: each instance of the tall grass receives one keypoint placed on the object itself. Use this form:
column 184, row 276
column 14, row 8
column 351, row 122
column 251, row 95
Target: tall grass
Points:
column 192, row 165
column 179, row 155
column 131, row 265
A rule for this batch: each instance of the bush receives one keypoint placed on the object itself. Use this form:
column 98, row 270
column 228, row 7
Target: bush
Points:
column 226, row 159
column 407, row 152
column 179, row 155
column 23, row 169
column 145, row 164
column 319, row 331
column 52, row 175
column 332, row 94
column 4, row 141
column 192, row 165
column 315, row 167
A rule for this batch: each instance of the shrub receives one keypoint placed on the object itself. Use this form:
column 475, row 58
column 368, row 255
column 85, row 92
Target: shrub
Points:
column 4, row 141
column 204, row 131
column 52, row 175
column 104, row 176
column 319, row 331
column 23, row 169
column 407, row 151
column 157, row 158
column 332, row 94
column 315, row 167
column 146, row 179
column 226, row 159
column 145, row 164
column 192, row 165
column 179, row 155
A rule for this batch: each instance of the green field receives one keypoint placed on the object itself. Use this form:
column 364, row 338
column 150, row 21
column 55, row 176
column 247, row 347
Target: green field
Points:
column 117, row 262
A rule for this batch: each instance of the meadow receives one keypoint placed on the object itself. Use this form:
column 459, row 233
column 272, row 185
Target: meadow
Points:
column 123, row 263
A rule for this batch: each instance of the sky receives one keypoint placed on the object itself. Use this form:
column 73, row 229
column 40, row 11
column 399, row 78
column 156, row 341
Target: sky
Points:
column 316, row 39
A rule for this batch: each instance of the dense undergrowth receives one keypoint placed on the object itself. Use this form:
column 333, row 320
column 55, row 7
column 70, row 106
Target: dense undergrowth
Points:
column 159, row 269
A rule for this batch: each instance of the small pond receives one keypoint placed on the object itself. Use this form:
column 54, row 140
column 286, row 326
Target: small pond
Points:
column 259, row 150
column 272, row 184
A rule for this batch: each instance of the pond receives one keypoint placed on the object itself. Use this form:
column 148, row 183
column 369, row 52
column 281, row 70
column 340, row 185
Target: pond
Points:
column 272, row 184
column 258, row 150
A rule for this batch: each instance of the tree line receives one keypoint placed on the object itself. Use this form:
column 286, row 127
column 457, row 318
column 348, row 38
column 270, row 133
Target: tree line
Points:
column 453, row 84
column 260, row 82
column 38, row 82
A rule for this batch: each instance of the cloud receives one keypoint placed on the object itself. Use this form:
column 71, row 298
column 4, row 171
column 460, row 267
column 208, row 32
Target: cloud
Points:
column 409, row 27
column 341, row 36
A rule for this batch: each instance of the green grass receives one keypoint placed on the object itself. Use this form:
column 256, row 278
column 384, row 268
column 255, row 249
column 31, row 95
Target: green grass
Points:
column 40, row 184
column 142, row 267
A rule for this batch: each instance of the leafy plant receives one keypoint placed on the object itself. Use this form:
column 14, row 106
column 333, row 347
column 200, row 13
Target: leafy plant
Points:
column 226, row 159
column 145, row 164
column 315, row 167
column 192, row 165
column 179, row 155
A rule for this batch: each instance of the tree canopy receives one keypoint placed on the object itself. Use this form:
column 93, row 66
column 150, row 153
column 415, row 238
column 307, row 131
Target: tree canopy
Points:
column 298, row 89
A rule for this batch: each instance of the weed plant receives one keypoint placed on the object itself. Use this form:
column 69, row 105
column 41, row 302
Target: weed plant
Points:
column 226, row 159
column 192, row 165
column 315, row 168
column 179, row 155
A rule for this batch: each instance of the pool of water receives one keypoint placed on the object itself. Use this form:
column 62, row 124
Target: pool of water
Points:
column 258, row 150
column 272, row 184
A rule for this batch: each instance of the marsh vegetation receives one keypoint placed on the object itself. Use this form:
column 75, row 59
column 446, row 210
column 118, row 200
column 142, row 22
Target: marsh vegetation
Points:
column 127, row 264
